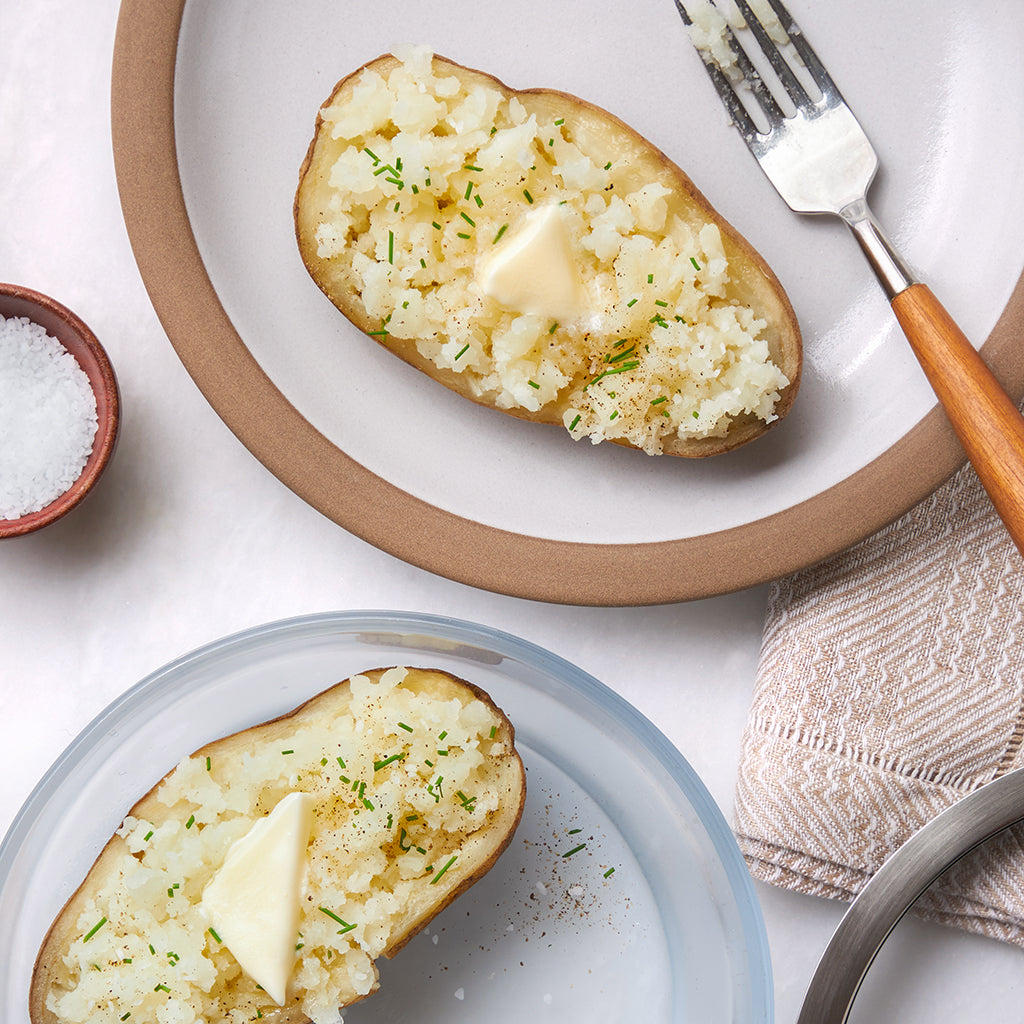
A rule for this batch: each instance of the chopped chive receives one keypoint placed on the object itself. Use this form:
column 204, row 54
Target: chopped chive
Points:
column 396, row 181
column 469, row 191
column 561, row 120
column 661, row 302
column 466, row 217
column 443, row 753
column 572, row 426
column 575, row 831
column 149, row 835
column 621, row 342
column 396, row 208
column 428, row 763
column 391, row 821
column 650, row 279
column 151, row 949
column 696, row 415
column 658, row 401
column 344, row 780
column 370, row 153
column 462, row 234
column 553, row 328
column 209, row 764
column 191, row 821
column 448, row 864
column 161, row 988
column 412, row 817
column 377, row 765
column 479, row 201
column 632, row 302
column 614, row 415
column 526, row 192
column 624, row 354
column 442, row 735
column 622, row 368
column 551, row 142
column 398, row 164
column 533, row 384
column 125, row 1016
column 501, row 231
column 470, row 167
column 215, row 935
column 341, row 762
column 610, row 871
column 287, row 751
column 574, row 850
column 608, row 166
column 95, row 928
column 368, row 805
column 391, row 247
column 435, row 224
column 401, row 841
column 402, row 725
column 696, row 265
column 332, row 915
column 462, row 351
column 415, row 189
column 494, row 731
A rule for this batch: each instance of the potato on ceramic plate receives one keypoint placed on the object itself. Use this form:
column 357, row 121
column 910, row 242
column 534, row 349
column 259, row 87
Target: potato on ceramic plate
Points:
column 263, row 876
column 534, row 254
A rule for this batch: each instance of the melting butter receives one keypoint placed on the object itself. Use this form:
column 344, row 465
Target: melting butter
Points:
column 252, row 902
column 532, row 269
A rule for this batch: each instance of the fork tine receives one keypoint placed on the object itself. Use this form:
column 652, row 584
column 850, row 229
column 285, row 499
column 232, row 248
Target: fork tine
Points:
column 810, row 59
column 770, row 49
column 726, row 87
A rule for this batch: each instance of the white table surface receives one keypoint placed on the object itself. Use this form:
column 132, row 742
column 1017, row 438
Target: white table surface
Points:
column 189, row 538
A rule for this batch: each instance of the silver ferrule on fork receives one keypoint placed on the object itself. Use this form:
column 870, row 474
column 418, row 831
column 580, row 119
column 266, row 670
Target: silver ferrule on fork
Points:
column 890, row 268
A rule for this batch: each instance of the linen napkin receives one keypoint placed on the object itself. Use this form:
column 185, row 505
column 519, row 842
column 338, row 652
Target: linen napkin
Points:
column 890, row 685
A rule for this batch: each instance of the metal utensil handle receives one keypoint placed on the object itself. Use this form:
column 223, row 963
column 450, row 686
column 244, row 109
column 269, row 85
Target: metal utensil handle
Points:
column 896, row 886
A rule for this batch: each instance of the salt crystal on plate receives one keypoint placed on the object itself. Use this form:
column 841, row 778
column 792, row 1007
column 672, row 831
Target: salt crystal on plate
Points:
column 48, row 418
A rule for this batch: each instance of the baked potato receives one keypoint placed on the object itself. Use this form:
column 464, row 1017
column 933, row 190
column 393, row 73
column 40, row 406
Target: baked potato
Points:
column 262, row 878
column 534, row 254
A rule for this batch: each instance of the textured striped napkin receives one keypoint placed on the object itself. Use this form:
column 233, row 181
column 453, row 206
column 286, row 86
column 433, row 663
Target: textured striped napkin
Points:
column 890, row 685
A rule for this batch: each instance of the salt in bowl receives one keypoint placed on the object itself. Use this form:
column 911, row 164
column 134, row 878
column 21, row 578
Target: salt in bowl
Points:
column 82, row 344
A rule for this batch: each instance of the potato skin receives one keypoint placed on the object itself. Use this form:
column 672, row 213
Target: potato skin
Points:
column 753, row 281
column 502, row 828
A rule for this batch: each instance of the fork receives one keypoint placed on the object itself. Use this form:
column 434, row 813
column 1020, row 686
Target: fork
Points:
column 821, row 162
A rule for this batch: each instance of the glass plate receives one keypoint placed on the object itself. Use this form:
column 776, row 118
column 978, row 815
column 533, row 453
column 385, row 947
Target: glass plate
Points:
column 655, row 913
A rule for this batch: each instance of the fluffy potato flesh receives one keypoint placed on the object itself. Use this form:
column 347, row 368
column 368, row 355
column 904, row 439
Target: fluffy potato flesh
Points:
column 394, row 838
column 420, row 171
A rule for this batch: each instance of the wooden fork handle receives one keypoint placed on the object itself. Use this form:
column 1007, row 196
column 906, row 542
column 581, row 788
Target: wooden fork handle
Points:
column 986, row 421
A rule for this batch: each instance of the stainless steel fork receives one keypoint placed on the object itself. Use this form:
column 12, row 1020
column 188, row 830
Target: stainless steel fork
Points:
column 821, row 162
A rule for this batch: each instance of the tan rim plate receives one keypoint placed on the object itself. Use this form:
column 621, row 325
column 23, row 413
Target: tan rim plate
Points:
column 413, row 529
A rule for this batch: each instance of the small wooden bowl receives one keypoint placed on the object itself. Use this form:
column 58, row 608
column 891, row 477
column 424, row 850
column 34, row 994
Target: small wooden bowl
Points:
column 76, row 337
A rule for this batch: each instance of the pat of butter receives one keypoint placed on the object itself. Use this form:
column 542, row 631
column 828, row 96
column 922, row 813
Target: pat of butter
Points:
column 532, row 270
column 252, row 902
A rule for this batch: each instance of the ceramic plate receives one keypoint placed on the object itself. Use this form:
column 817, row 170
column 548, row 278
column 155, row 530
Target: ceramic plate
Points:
column 213, row 108
column 623, row 887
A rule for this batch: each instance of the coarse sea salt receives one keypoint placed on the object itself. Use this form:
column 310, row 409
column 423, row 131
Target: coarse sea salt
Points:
column 47, row 418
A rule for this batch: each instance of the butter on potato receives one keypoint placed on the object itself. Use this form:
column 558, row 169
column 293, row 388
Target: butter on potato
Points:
column 382, row 799
column 536, row 255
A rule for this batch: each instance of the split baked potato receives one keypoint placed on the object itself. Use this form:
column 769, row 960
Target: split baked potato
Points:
column 412, row 788
column 534, row 254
